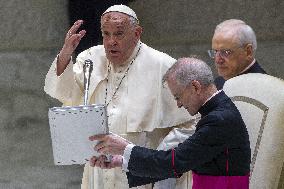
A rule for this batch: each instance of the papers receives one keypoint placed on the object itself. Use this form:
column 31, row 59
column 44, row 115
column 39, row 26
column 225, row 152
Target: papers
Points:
column 70, row 129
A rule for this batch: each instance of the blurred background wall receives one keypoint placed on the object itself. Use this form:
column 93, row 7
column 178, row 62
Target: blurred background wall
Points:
column 33, row 32
column 184, row 27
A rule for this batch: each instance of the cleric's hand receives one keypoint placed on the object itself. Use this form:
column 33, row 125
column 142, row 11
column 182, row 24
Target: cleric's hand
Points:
column 102, row 162
column 110, row 144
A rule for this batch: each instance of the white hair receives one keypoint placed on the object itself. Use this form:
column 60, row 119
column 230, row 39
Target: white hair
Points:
column 133, row 21
column 243, row 32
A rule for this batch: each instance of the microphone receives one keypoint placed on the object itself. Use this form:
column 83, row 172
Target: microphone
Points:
column 87, row 68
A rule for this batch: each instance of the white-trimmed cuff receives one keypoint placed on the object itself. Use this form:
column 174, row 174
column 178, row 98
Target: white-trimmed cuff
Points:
column 126, row 156
column 68, row 67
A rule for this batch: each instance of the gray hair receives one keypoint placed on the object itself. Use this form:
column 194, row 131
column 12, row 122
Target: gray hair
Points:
column 243, row 32
column 186, row 70
column 133, row 21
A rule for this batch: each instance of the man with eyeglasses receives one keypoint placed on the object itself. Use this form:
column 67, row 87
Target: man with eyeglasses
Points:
column 233, row 50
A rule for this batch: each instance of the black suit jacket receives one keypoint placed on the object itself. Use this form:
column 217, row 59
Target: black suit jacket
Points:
column 221, row 128
column 255, row 68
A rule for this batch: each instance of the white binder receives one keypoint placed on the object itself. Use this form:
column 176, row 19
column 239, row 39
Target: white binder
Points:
column 70, row 129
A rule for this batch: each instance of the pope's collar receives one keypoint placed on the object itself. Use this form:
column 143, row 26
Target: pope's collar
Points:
column 134, row 53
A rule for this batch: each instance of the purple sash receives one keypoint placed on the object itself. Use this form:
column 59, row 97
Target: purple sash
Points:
column 219, row 182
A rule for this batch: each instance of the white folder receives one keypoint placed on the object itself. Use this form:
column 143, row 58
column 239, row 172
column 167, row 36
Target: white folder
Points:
column 70, row 129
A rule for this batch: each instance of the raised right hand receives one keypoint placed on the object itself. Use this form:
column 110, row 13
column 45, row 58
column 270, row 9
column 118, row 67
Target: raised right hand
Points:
column 72, row 40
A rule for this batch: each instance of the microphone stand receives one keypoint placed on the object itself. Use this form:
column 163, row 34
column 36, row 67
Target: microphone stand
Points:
column 87, row 68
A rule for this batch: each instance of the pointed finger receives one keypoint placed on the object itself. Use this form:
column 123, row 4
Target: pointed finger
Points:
column 97, row 137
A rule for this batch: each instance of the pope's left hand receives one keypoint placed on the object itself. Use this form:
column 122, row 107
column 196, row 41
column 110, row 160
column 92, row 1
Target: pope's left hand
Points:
column 110, row 144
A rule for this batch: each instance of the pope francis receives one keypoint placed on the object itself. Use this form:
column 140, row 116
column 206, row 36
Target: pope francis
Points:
column 127, row 78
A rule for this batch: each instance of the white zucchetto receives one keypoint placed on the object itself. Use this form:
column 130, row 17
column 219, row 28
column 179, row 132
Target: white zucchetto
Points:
column 122, row 9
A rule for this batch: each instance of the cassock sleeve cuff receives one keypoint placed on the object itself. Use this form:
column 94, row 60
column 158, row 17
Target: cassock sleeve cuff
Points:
column 68, row 67
column 126, row 156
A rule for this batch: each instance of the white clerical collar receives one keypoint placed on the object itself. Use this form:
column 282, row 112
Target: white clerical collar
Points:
column 211, row 96
column 134, row 53
column 248, row 67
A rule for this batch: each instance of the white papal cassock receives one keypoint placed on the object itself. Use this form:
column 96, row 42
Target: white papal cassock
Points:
column 140, row 110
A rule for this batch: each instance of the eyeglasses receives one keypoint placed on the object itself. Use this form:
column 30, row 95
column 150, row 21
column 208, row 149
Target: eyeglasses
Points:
column 223, row 53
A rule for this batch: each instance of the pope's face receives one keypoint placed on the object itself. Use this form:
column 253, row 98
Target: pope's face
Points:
column 119, row 36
